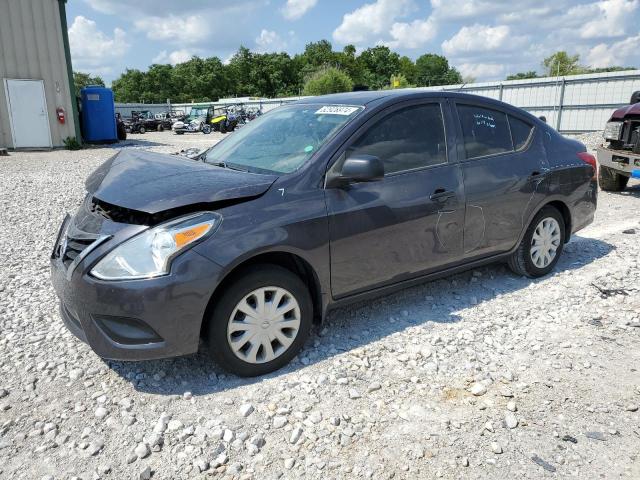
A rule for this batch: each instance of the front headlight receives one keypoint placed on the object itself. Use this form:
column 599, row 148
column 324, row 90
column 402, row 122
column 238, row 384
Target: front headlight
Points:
column 612, row 131
column 149, row 254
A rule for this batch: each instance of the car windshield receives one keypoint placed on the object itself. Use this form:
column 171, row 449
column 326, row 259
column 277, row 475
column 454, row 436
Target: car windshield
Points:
column 282, row 140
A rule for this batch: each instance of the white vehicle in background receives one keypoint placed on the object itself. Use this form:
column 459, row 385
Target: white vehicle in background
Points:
column 197, row 121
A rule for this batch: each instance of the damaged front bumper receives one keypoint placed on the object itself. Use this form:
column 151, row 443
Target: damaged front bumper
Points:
column 622, row 161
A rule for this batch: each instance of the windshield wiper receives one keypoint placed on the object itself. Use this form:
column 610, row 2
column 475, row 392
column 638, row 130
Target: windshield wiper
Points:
column 229, row 166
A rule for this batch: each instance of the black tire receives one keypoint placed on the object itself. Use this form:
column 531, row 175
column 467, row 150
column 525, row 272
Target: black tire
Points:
column 179, row 133
column 142, row 130
column 122, row 132
column 223, row 127
column 206, row 129
column 243, row 284
column 610, row 180
column 160, row 128
column 521, row 262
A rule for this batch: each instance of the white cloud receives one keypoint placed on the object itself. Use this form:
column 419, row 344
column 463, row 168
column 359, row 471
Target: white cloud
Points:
column 481, row 38
column 92, row 47
column 459, row 9
column 482, row 71
column 371, row 20
column 612, row 19
column 622, row 53
column 295, row 9
column 172, row 28
column 412, row 35
column 175, row 57
column 269, row 41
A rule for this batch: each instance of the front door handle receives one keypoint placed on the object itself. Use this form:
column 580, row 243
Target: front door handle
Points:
column 441, row 195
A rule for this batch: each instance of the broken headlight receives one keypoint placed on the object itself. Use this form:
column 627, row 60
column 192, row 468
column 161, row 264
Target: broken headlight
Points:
column 149, row 254
column 612, row 131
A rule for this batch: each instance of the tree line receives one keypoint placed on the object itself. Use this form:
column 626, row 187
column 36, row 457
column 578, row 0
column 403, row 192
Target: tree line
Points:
column 562, row 64
column 278, row 74
column 317, row 70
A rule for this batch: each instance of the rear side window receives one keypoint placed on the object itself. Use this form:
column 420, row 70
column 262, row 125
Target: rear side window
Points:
column 485, row 131
column 520, row 132
column 409, row 138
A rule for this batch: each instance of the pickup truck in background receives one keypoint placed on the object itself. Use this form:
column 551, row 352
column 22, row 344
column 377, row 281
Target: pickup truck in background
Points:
column 619, row 156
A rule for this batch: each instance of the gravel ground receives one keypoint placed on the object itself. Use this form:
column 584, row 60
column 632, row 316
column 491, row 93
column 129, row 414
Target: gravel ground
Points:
column 481, row 375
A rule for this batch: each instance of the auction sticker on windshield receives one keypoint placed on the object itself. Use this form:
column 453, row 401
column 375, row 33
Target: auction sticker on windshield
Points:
column 336, row 110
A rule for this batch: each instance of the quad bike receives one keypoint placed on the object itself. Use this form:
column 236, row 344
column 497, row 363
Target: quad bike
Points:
column 134, row 125
column 193, row 126
column 226, row 122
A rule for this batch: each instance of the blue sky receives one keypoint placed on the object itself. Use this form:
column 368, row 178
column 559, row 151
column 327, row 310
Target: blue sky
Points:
column 486, row 39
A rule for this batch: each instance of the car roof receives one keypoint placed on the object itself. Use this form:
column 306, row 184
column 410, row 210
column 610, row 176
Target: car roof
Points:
column 378, row 97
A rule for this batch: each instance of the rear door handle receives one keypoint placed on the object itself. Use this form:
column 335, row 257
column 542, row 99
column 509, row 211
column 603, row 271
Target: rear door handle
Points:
column 441, row 194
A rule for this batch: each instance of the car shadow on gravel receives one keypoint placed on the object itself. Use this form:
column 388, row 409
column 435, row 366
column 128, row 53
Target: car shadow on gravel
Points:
column 358, row 325
column 135, row 143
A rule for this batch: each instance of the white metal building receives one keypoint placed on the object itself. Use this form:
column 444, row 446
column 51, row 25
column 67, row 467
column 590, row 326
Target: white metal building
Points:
column 36, row 78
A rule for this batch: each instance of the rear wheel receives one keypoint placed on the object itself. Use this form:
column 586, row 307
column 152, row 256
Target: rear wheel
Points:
column 142, row 130
column 206, row 129
column 160, row 128
column 541, row 246
column 610, row 180
column 260, row 321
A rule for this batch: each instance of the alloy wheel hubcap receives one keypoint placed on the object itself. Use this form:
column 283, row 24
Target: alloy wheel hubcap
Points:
column 263, row 325
column 545, row 242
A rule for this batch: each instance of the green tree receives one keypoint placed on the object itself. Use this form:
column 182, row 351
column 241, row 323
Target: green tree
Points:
column 432, row 69
column 561, row 63
column 609, row 69
column 523, row 75
column 408, row 70
column 347, row 61
column 399, row 81
column 128, row 88
column 328, row 80
column 81, row 80
column 378, row 64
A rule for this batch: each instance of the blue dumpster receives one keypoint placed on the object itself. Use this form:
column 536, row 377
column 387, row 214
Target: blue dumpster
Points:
column 98, row 115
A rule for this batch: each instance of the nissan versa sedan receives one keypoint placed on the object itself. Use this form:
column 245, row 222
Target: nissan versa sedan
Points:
column 318, row 203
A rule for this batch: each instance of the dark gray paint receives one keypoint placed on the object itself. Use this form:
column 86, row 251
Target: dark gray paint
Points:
column 362, row 240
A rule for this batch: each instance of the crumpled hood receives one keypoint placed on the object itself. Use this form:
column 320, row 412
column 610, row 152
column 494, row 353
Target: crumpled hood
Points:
column 633, row 109
column 153, row 182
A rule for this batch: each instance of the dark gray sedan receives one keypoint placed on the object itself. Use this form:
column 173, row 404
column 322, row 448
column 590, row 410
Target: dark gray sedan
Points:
column 315, row 204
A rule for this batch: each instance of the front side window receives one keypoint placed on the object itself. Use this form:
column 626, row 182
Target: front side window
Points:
column 282, row 140
column 409, row 138
column 485, row 131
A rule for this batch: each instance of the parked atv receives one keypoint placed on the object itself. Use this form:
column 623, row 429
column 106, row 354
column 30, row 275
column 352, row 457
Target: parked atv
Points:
column 226, row 122
column 193, row 126
column 134, row 125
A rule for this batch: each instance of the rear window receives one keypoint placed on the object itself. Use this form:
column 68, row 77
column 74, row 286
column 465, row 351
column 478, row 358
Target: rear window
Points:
column 485, row 131
column 520, row 132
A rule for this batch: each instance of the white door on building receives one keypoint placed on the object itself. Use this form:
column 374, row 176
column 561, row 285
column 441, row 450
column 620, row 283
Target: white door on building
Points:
column 28, row 113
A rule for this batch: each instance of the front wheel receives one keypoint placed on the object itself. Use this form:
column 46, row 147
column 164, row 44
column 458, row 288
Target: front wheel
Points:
column 541, row 246
column 206, row 129
column 142, row 130
column 260, row 321
column 610, row 180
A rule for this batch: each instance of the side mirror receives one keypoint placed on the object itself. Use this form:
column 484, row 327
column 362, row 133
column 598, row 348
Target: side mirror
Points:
column 356, row 169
